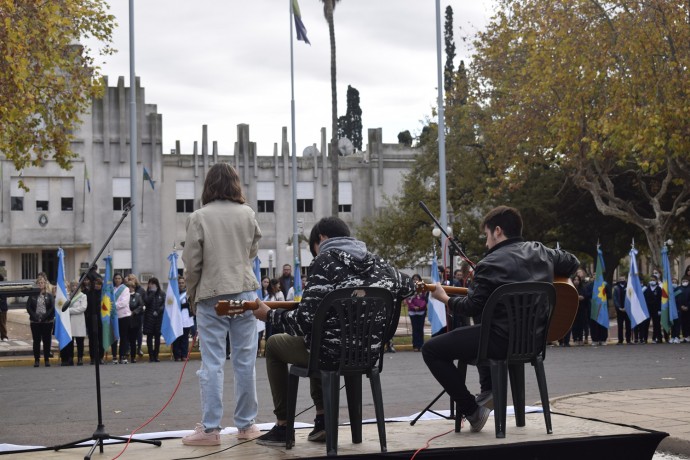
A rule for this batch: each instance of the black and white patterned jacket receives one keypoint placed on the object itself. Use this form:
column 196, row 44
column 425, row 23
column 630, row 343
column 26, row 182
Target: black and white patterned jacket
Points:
column 342, row 262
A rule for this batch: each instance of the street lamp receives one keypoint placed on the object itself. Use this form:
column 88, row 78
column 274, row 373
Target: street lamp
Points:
column 271, row 271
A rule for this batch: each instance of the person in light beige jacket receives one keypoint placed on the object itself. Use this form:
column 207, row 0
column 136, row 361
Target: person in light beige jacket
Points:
column 221, row 243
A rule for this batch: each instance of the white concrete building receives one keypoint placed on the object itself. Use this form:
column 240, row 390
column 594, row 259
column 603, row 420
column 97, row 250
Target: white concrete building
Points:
column 61, row 211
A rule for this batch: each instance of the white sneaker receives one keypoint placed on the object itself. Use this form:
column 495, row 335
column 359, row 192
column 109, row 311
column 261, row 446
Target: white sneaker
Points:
column 5, row 339
column 201, row 438
column 251, row 432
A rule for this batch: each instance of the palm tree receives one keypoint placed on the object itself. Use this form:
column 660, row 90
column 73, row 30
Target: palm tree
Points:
column 328, row 7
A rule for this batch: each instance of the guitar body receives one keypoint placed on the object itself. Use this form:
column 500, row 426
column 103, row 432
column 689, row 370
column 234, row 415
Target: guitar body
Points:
column 565, row 310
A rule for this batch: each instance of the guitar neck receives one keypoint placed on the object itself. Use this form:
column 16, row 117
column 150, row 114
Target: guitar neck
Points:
column 285, row 304
column 426, row 287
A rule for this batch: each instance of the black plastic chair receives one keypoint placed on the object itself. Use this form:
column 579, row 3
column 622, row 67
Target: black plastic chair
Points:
column 362, row 316
column 528, row 307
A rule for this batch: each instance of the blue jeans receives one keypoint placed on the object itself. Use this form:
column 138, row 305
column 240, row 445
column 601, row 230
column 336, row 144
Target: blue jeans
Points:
column 243, row 338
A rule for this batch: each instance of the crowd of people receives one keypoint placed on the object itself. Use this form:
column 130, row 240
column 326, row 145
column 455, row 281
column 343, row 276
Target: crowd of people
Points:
column 139, row 312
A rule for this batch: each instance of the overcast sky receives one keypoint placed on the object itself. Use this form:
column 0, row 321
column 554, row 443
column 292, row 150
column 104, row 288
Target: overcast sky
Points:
column 221, row 63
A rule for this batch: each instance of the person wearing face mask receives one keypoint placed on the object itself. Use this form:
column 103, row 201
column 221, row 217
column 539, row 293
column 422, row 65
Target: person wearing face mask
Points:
column 683, row 305
column 652, row 296
column 154, row 301
column 621, row 316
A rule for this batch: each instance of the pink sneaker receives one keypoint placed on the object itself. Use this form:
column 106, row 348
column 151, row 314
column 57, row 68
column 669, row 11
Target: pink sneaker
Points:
column 201, row 438
column 251, row 432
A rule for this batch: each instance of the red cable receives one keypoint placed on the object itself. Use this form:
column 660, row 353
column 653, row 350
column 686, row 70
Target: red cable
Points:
column 179, row 381
column 428, row 441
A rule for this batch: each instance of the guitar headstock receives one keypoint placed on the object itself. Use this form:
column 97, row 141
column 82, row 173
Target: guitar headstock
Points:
column 230, row 307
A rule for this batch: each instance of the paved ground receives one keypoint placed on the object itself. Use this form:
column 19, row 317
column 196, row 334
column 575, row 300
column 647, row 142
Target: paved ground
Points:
column 646, row 386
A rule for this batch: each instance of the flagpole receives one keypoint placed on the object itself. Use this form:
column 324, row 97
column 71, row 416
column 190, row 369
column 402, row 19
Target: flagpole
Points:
column 295, row 238
column 143, row 187
column 133, row 138
column 441, row 127
column 83, row 202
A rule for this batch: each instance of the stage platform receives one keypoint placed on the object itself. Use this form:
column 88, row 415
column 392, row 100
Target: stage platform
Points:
column 573, row 438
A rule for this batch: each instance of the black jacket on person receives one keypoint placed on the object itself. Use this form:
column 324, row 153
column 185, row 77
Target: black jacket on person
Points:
column 32, row 304
column 511, row 261
column 153, row 313
column 136, row 306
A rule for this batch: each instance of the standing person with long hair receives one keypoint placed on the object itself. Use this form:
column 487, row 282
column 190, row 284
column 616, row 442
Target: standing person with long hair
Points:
column 77, row 318
column 121, row 294
column 154, row 299
column 221, row 242
column 416, row 309
column 41, row 309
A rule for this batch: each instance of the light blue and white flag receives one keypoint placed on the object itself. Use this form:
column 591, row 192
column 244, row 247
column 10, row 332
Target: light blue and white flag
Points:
column 63, row 326
column 635, row 305
column 437, row 311
column 257, row 273
column 297, row 285
column 171, row 328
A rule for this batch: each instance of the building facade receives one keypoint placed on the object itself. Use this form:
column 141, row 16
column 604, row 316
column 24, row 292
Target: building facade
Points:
column 78, row 209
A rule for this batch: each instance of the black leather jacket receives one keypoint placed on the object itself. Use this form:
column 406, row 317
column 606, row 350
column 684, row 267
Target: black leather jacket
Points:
column 511, row 261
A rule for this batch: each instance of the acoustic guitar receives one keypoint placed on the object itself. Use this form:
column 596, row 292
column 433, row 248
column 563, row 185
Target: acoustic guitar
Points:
column 563, row 314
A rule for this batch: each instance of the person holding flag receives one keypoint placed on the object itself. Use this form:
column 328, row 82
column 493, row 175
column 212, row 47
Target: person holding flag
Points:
column 221, row 243
column 509, row 259
column 599, row 311
column 41, row 309
column 111, row 328
column 339, row 261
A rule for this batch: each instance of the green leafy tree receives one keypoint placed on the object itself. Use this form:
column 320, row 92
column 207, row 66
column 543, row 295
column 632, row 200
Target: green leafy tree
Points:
column 47, row 80
column 350, row 125
column 599, row 88
column 328, row 8
column 448, row 69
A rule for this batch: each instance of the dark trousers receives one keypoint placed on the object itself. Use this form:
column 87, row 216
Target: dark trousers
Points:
column 3, row 325
column 623, row 325
column 684, row 322
column 460, row 344
column 656, row 325
column 417, row 322
column 133, row 337
column 181, row 345
column 94, row 329
column 41, row 333
column 153, row 343
column 599, row 332
column 123, row 326
column 643, row 331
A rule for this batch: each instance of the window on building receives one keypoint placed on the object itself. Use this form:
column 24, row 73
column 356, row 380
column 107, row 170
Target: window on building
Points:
column 345, row 197
column 67, row 194
column 265, row 196
column 122, row 262
column 16, row 195
column 121, row 193
column 29, row 265
column 305, row 197
column 184, row 196
column 42, row 190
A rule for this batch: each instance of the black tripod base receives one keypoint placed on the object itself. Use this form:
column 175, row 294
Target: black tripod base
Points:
column 100, row 436
column 429, row 409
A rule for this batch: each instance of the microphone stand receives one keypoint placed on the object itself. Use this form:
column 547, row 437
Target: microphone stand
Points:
column 453, row 249
column 100, row 435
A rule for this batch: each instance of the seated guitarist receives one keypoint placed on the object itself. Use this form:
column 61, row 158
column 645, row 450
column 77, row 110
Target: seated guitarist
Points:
column 509, row 259
column 340, row 261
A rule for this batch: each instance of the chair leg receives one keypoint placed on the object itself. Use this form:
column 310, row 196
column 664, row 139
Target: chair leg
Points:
column 330, row 381
column 499, row 383
column 517, row 389
column 353, row 391
column 375, row 381
column 543, row 392
column 292, row 386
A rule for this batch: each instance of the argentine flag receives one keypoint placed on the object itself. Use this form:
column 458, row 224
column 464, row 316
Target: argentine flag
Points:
column 635, row 305
column 171, row 328
column 437, row 311
column 63, row 327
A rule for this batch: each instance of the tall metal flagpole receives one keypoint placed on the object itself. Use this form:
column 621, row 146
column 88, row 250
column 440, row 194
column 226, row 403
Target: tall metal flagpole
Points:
column 441, row 127
column 295, row 238
column 132, row 136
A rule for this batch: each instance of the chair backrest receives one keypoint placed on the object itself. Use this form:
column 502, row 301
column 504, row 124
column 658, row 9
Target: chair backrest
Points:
column 526, row 309
column 360, row 318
